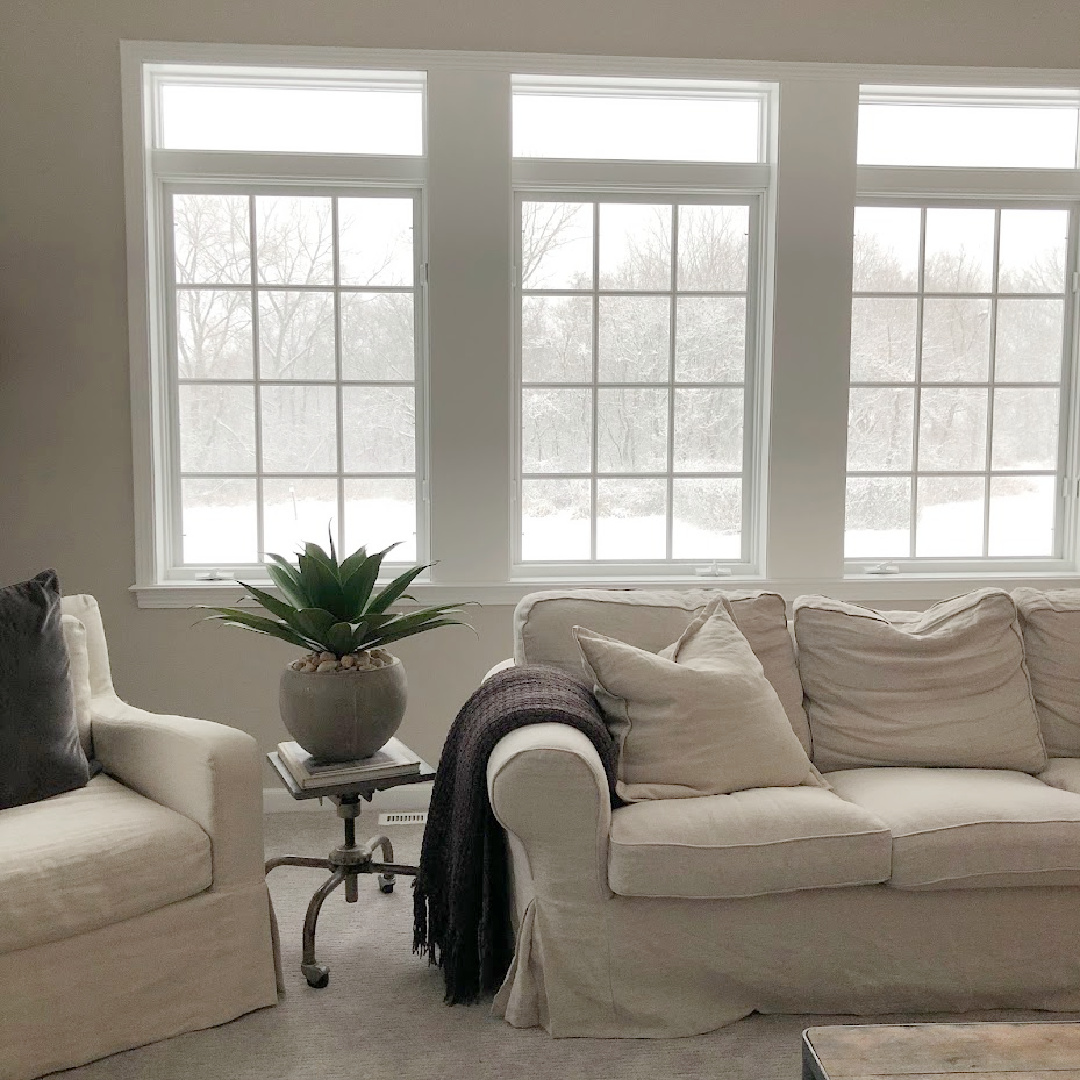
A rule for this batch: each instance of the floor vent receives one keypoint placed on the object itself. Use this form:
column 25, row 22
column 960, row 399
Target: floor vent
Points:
column 413, row 817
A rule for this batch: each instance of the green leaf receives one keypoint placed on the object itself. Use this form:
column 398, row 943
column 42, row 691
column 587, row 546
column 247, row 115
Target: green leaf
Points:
column 341, row 639
column 358, row 587
column 322, row 585
column 261, row 625
column 395, row 589
column 315, row 623
column 276, row 607
column 333, row 550
column 349, row 565
column 389, row 634
column 313, row 551
column 287, row 578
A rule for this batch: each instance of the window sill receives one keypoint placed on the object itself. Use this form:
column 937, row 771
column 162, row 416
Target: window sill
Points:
column 904, row 588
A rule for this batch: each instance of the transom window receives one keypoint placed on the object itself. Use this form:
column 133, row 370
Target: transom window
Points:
column 959, row 322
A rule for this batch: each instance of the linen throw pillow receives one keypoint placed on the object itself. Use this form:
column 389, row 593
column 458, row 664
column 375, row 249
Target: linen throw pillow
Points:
column 700, row 718
column 40, row 754
column 945, row 687
column 1051, row 625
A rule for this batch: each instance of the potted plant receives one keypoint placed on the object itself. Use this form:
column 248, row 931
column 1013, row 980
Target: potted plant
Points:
column 346, row 696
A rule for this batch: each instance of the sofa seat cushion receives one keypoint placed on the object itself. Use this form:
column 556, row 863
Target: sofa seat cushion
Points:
column 749, row 843
column 90, row 858
column 970, row 828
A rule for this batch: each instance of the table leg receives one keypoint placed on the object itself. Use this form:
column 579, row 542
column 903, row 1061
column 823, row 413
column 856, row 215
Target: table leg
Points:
column 318, row 975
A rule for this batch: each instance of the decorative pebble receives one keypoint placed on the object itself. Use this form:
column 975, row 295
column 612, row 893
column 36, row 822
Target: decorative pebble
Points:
column 328, row 665
column 325, row 656
column 307, row 668
column 348, row 661
column 296, row 665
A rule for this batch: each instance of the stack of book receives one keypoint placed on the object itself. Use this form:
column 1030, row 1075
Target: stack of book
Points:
column 394, row 759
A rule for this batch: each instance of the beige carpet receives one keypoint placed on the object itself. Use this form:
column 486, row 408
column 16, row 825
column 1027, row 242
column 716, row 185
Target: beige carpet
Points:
column 382, row 1015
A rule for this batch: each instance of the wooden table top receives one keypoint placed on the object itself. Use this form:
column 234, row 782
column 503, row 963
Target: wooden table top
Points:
column 993, row 1051
column 364, row 788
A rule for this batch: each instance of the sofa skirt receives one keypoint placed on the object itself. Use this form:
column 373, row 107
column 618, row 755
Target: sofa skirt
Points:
column 636, row 967
column 189, row 965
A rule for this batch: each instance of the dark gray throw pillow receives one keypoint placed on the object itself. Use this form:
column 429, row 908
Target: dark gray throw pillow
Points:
column 40, row 753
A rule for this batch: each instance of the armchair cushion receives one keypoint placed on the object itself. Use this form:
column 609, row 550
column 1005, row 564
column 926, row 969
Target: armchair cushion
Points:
column 92, row 857
column 40, row 754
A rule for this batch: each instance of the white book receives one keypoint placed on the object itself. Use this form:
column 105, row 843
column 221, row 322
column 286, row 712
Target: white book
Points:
column 394, row 759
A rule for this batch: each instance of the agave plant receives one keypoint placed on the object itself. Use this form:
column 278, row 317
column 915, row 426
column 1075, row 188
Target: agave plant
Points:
column 333, row 607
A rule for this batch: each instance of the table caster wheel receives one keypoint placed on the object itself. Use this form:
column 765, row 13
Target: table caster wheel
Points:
column 317, row 975
column 386, row 883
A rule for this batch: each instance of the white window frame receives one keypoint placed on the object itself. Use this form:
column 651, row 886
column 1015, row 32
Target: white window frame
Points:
column 993, row 188
column 469, row 179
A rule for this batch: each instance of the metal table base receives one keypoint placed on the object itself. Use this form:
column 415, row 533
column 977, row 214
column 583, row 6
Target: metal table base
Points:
column 345, row 864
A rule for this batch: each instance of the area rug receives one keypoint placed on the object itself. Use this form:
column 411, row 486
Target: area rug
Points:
column 382, row 1016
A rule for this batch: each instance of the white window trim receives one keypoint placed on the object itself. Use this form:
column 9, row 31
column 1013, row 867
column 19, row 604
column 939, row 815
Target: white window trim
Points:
column 807, row 307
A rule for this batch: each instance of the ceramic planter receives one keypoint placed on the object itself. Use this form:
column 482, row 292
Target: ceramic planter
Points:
column 343, row 715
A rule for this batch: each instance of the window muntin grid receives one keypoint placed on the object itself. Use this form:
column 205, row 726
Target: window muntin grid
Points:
column 957, row 415
column 293, row 341
column 644, row 453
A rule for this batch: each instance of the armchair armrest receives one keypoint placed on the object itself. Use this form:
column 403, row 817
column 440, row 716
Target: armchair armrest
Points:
column 208, row 772
column 547, row 788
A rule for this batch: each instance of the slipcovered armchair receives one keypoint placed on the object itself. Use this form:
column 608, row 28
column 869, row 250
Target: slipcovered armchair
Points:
column 135, row 908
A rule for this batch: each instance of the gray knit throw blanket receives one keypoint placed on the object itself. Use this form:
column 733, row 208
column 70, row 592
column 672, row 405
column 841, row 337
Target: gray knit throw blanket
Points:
column 461, row 900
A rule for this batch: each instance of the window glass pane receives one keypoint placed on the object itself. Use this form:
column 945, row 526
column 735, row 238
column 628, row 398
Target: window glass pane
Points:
column 556, row 430
column 1032, row 256
column 556, row 338
column 298, row 119
column 556, row 245
column 881, row 426
column 635, row 246
column 950, row 516
column 379, row 513
column 375, row 238
column 1029, row 337
column 706, row 519
column 555, row 519
column 296, row 511
column 952, row 429
column 708, row 430
column 975, row 134
column 379, row 428
column 553, row 123
column 959, row 250
column 219, row 521
column 631, row 519
column 632, row 430
column 1025, row 429
column 299, row 428
column 713, row 247
column 294, row 237
column 886, row 249
column 1022, row 515
column 377, row 336
column 635, row 338
column 956, row 340
column 296, row 335
column 877, row 520
column 213, row 334
column 710, row 339
column 217, row 429
column 883, row 335
column 212, row 239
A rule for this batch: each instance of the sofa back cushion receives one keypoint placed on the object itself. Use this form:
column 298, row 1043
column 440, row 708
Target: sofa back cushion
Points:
column 79, row 675
column 1051, row 625
column 947, row 687
column 652, row 619
column 700, row 718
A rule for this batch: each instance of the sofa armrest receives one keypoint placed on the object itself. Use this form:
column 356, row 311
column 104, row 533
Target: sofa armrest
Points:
column 547, row 788
column 208, row 772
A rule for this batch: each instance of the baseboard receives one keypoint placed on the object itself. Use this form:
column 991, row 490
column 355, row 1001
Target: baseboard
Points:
column 277, row 800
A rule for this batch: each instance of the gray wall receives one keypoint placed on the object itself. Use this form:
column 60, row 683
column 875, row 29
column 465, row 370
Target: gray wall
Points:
column 65, row 444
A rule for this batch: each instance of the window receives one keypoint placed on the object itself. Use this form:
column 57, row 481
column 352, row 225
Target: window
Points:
column 962, row 316
column 293, row 310
column 637, row 331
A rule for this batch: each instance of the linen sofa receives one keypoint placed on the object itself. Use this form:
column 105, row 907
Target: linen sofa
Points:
column 901, row 888
column 134, row 908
